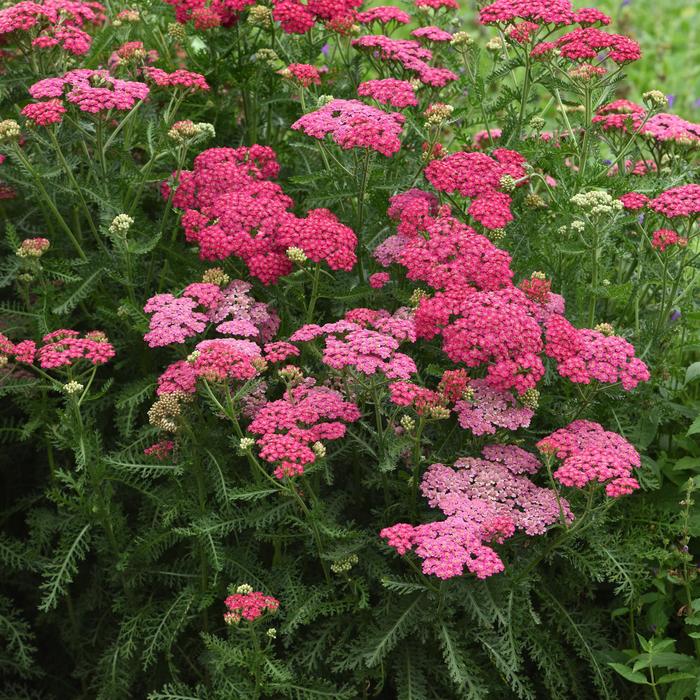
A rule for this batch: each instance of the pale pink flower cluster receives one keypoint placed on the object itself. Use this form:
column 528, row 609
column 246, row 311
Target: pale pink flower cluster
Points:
column 232, row 208
column 290, row 426
column 407, row 55
column 489, row 409
column 383, row 15
column 584, row 355
column 389, row 91
column 485, row 500
column 589, row 453
column 353, row 124
column 368, row 345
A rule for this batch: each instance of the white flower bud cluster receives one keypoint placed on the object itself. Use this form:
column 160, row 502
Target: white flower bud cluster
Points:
column 597, row 202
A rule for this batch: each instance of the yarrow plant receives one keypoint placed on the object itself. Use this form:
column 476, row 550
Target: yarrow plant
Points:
column 387, row 311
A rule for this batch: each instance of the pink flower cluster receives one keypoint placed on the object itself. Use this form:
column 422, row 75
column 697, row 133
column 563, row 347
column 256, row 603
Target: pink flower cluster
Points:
column 249, row 606
column 678, row 202
column 407, row 55
column 485, row 500
column 633, row 201
column 179, row 78
column 366, row 341
column 432, row 33
column 305, row 74
column 232, row 208
column 52, row 23
column 558, row 12
column 353, row 124
column 207, row 14
column 383, row 15
column 478, row 177
column 235, row 315
column 664, row 237
column 92, row 91
column 586, row 355
column 160, row 450
column 588, row 453
column 586, row 43
column 628, row 117
column 389, row 91
column 61, row 348
column 290, row 426
column 489, row 409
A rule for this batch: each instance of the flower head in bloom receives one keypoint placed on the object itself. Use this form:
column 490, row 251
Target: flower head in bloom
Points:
column 160, row 450
column 432, row 33
column 303, row 73
column 248, row 605
column 64, row 348
column 678, row 202
column 478, row 176
column 586, row 355
column 32, row 247
column 485, row 500
column 664, row 237
column 51, row 23
column 588, row 453
column 488, row 409
column 91, row 91
column 353, row 124
column 389, row 91
column 44, row 113
column 177, row 79
column 633, row 201
column 383, row 15
column 378, row 280
column 367, row 345
column 289, row 427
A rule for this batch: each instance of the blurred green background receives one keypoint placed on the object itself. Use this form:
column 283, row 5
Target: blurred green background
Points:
column 668, row 33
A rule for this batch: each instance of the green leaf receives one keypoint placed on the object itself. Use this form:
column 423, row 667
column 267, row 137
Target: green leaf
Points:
column 692, row 373
column 694, row 427
column 629, row 674
column 673, row 677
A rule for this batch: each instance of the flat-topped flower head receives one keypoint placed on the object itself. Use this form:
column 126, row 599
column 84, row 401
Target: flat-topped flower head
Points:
column 353, row 124
column 247, row 604
column 589, row 453
column 678, row 202
column 389, row 91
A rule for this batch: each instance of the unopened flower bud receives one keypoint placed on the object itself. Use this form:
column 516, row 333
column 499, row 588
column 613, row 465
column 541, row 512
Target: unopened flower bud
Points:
column 537, row 124
column 605, row 329
column 246, row 443
column 217, row 276
column 32, row 247
column 177, row 31
column 9, row 130
column 72, row 387
column 408, row 423
column 495, row 44
column 260, row 16
column 120, row 225
column 461, row 39
column 296, row 255
column 416, row 296
column 655, row 98
column 438, row 113
column 507, row 183
column 319, row 449
column 530, row 398
column 271, row 633
column 244, row 589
